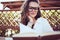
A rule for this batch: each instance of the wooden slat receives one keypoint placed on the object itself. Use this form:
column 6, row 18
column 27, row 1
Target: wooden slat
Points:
column 49, row 8
column 43, row 4
column 50, row 4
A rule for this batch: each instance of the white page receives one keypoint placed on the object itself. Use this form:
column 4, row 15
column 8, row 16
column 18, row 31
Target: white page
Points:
column 8, row 38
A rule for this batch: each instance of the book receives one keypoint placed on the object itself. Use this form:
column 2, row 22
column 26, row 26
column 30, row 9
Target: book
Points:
column 28, row 32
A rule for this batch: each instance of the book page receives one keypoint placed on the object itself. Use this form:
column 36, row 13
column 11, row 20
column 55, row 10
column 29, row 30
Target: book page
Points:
column 28, row 32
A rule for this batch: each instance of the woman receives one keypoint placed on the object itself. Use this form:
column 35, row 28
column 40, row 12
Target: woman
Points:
column 31, row 20
column 30, row 13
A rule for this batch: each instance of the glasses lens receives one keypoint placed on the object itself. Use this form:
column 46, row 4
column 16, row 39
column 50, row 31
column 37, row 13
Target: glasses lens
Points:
column 35, row 8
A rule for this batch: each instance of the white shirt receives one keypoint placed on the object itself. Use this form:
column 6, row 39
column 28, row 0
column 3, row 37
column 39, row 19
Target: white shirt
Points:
column 41, row 25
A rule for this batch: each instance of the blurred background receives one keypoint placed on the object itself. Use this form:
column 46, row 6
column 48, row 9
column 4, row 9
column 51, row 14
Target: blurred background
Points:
column 10, row 15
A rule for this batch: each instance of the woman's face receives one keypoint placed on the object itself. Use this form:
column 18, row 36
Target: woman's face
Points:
column 33, row 9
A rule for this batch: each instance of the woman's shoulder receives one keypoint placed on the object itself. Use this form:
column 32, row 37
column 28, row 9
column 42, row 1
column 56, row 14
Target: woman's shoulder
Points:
column 41, row 19
column 20, row 24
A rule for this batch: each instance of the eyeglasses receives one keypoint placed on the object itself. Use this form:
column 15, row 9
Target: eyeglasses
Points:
column 35, row 8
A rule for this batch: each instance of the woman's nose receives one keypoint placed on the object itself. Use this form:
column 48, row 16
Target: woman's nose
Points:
column 33, row 10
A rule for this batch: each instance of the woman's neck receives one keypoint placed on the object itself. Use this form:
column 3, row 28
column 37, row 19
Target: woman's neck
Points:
column 32, row 20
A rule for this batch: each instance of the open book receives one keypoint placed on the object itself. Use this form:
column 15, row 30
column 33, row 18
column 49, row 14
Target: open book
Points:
column 28, row 32
column 31, row 34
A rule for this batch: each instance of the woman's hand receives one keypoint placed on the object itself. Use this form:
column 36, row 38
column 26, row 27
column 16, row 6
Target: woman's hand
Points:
column 30, row 18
